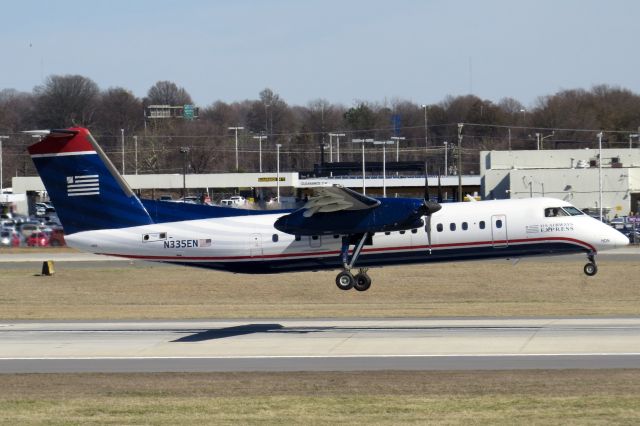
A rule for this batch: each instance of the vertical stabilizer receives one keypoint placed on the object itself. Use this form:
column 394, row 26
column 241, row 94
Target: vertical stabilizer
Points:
column 84, row 186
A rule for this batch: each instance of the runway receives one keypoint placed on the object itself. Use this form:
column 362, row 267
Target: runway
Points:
column 320, row 345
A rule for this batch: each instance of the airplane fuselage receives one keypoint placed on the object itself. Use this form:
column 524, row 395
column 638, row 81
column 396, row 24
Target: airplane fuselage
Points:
column 459, row 231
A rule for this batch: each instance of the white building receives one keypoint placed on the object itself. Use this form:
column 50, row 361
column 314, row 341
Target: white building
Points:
column 571, row 175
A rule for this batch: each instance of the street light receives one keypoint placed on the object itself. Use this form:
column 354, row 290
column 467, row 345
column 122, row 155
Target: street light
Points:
column 278, row 145
column 397, row 139
column 426, row 128
column 260, row 137
column 446, row 162
column 460, row 126
column 524, row 114
column 122, row 136
column 135, row 147
column 184, row 150
column 600, row 173
column 1, row 176
column 384, row 163
column 362, row 141
column 540, row 139
column 236, row 129
column 337, row 136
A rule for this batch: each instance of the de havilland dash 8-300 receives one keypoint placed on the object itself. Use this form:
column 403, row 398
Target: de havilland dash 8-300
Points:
column 337, row 228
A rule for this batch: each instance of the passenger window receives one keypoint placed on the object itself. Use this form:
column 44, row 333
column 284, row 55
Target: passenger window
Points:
column 387, row 233
column 314, row 237
column 465, row 226
column 414, row 231
column 481, row 224
column 452, row 226
column 336, row 236
column 298, row 237
column 439, row 227
column 274, row 238
column 402, row 232
column 498, row 223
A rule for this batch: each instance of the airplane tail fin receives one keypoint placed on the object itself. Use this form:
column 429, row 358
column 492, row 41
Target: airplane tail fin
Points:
column 84, row 186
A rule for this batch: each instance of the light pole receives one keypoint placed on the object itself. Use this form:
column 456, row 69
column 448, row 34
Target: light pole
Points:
column 135, row 147
column 278, row 145
column 1, row 176
column 260, row 137
column 446, row 162
column 540, row 139
column 236, row 129
column 122, row 136
column 633, row 135
column 384, row 164
column 600, row 173
column 362, row 141
column 397, row 139
column 524, row 114
column 460, row 126
column 426, row 128
column 337, row 136
column 184, row 151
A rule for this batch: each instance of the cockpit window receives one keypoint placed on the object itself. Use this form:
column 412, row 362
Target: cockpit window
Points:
column 554, row 212
column 573, row 211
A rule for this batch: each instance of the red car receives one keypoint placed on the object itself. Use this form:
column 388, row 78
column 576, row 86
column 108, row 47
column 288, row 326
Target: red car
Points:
column 38, row 239
column 56, row 238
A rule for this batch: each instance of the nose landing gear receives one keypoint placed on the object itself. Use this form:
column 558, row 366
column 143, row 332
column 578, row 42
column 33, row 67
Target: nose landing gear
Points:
column 591, row 268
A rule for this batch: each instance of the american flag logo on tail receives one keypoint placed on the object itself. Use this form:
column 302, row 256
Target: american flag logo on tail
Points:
column 83, row 185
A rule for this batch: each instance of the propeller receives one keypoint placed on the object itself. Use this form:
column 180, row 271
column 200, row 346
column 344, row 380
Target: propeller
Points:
column 429, row 207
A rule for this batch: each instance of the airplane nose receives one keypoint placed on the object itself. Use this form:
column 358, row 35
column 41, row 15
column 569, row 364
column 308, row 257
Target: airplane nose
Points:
column 617, row 239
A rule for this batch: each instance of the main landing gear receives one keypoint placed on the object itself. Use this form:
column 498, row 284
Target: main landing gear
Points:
column 345, row 279
column 591, row 268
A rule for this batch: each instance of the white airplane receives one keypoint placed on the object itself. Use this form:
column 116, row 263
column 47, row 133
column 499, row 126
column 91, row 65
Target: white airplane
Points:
column 101, row 214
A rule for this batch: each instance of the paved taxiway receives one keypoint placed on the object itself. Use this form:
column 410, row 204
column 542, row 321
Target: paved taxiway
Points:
column 321, row 345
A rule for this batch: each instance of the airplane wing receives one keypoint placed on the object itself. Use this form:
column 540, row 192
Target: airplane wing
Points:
column 340, row 211
column 336, row 198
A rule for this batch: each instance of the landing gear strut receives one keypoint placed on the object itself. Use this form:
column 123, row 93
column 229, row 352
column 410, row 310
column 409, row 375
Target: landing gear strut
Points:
column 345, row 280
column 591, row 268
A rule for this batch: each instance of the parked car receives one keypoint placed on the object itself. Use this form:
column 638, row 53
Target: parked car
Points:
column 56, row 238
column 9, row 238
column 38, row 239
column 28, row 228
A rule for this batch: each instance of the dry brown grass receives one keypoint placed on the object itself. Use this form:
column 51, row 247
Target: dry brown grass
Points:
column 503, row 397
column 147, row 291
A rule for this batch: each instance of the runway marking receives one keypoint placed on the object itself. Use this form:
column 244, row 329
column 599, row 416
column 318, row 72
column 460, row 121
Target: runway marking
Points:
column 582, row 354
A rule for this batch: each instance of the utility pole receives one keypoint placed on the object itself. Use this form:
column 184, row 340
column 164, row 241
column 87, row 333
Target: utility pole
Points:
column 122, row 135
column 446, row 162
column 1, row 175
column 236, row 129
column 260, row 138
column 337, row 136
column 460, row 126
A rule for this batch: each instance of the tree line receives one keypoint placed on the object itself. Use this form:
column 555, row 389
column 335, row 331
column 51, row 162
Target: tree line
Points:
column 574, row 116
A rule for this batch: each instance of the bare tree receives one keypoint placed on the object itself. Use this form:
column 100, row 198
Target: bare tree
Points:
column 119, row 109
column 66, row 100
column 167, row 93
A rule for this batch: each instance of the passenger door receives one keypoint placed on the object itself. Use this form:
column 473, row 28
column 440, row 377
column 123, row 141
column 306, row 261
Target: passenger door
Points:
column 499, row 230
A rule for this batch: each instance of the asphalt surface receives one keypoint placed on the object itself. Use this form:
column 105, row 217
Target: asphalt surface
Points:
column 320, row 345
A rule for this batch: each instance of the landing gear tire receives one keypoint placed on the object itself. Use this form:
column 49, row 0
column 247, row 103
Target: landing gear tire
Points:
column 345, row 280
column 590, row 269
column 362, row 282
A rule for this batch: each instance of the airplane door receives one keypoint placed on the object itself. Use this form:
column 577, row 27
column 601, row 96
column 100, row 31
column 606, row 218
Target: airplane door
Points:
column 256, row 245
column 499, row 230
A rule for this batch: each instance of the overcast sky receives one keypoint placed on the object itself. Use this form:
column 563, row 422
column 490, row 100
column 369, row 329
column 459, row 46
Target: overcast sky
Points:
column 338, row 50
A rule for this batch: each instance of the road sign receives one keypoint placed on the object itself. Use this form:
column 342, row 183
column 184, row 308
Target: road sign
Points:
column 187, row 112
